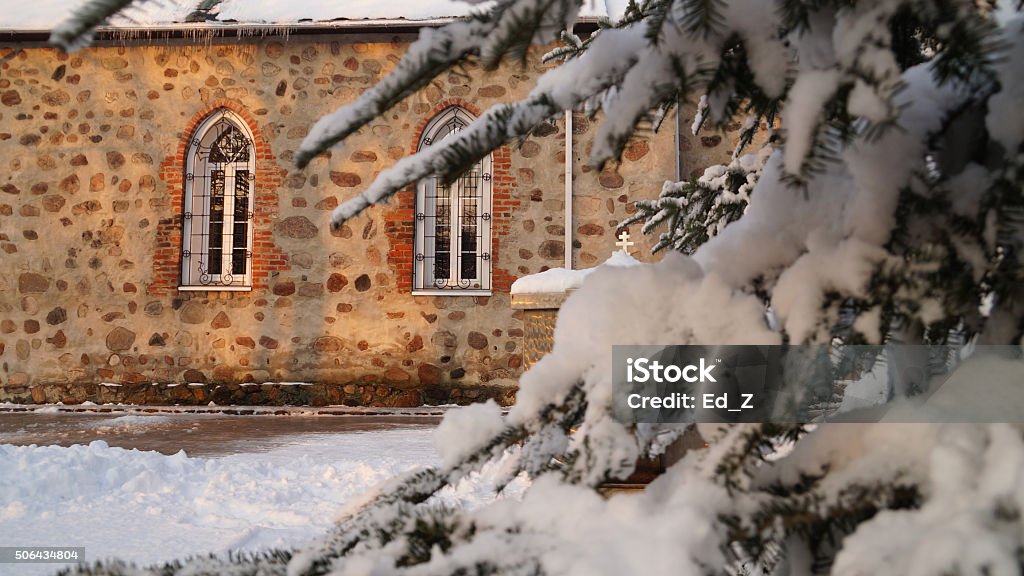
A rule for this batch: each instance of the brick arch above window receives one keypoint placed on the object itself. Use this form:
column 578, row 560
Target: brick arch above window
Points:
column 400, row 217
column 267, row 257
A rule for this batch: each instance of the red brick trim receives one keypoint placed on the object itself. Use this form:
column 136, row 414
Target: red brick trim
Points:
column 399, row 219
column 267, row 256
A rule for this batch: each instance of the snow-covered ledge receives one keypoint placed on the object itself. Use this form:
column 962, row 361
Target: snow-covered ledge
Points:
column 540, row 296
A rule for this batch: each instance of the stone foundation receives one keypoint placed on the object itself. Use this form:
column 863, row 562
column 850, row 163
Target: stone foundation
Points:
column 251, row 394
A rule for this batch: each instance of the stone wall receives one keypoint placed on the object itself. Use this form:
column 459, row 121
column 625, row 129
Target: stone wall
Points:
column 90, row 225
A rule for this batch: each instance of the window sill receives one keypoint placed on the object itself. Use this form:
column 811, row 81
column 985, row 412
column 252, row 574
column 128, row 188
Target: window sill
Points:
column 452, row 292
column 214, row 288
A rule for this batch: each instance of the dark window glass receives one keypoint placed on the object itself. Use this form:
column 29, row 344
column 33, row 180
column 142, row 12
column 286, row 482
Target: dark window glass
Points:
column 231, row 146
column 240, row 236
column 216, row 231
column 442, row 233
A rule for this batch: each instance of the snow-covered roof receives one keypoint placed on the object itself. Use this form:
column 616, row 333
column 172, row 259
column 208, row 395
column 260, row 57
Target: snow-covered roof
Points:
column 45, row 14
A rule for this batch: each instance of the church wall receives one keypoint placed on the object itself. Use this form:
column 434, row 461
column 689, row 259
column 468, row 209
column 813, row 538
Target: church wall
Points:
column 90, row 237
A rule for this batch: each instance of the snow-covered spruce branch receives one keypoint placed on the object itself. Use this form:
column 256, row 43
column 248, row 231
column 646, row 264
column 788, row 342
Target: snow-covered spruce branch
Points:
column 695, row 211
column 507, row 28
column 619, row 58
column 435, row 52
column 603, row 65
column 76, row 31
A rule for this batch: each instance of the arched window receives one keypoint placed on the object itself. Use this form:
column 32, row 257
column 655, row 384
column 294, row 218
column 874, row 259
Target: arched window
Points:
column 218, row 208
column 453, row 221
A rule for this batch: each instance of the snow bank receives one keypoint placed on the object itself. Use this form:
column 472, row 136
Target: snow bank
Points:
column 563, row 280
column 147, row 507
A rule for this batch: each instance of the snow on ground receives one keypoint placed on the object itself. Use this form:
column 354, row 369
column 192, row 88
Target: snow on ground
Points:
column 148, row 507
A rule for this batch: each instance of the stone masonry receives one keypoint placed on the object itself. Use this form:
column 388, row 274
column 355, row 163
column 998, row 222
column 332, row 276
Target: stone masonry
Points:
column 91, row 148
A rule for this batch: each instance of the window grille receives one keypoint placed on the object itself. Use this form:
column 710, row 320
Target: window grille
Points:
column 453, row 220
column 218, row 210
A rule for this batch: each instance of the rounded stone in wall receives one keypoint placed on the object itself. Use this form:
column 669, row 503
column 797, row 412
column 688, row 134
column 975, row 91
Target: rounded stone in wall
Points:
column 56, row 98
column 443, row 339
column 415, row 344
column 220, row 321
column 345, row 179
column 32, row 283
column 544, row 129
column 529, row 149
column 120, row 339
column 610, row 179
column 710, row 141
column 115, row 159
column 284, row 287
column 477, row 341
column 56, row 316
column 29, row 305
column 552, row 250
column 636, row 150
column 428, row 374
column 396, row 376
column 10, row 98
column 193, row 376
column 328, row 345
column 298, row 227
column 192, row 313
column 336, row 282
column 362, row 283
column 154, row 308
column 302, row 260
column 59, row 340
column 53, row 203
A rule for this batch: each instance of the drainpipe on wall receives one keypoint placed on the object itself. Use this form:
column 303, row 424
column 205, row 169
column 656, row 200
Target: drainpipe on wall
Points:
column 568, row 190
column 678, row 139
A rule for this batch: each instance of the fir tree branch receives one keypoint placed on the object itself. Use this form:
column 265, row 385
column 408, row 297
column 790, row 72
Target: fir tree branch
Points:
column 76, row 31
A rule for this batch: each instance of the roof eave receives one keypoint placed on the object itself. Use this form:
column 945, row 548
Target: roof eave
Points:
column 234, row 29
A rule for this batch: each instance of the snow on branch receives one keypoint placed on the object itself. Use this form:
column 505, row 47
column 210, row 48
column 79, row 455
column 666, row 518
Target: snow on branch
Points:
column 604, row 64
column 76, row 31
column 507, row 28
column 433, row 53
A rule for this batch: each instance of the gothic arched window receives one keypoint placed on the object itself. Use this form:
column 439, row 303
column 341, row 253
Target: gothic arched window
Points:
column 453, row 220
column 218, row 207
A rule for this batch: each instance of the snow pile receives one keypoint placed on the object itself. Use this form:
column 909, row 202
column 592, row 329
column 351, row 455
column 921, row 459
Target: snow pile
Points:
column 147, row 507
column 562, row 280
